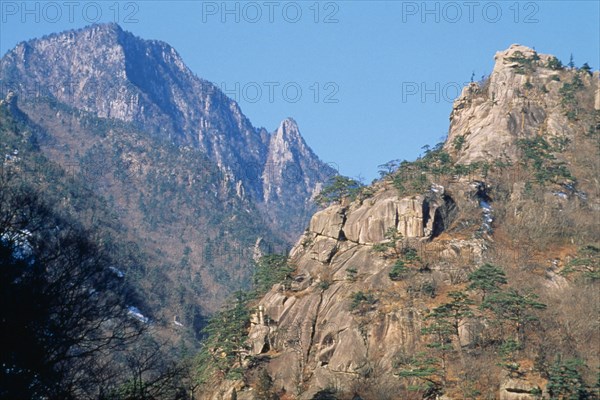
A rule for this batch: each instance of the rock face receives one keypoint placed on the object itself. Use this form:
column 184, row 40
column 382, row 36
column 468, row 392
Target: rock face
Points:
column 113, row 74
column 345, row 322
column 320, row 340
column 413, row 217
column 517, row 389
column 489, row 117
column 368, row 223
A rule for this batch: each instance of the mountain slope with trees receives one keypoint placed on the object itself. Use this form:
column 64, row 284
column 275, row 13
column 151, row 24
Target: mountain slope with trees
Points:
column 191, row 185
column 469, row 273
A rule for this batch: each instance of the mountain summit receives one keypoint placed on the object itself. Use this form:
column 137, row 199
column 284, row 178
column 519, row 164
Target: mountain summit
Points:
column 523, row 96
column 111, row 73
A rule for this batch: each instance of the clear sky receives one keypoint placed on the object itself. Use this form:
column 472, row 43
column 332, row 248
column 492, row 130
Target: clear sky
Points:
column 367, row 81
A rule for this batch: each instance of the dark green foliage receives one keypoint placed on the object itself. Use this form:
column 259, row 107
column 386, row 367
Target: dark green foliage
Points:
column 560, row 143
column 565, row 381
column 269, row 270
column 487, row 279
column 423, row 367
column 226, row 333
column 412, row 177
column 339, row 188
column 525, row 64
column 554, row 64
column 362, row 300
column 458, row 142
column 509, row 350
column 587, row 263
column 412, row 182
column 324, row 284
column 417, row 176
column 391, row 236
column 351, row 274
column 429, row 289
column 388, row 168
column 442, row 324
column 447, row 318
column 537, row 154
column 515, row 308
column 536, row 391
column 569, row 100
column 586, row 68
column 398, row 271
column 409, row 255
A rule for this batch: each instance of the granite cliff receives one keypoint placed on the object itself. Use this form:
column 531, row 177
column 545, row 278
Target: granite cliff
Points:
column 385, row 301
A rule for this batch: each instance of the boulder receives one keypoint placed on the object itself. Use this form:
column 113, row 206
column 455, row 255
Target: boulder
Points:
column 410, row 217
column 323, row 249
column 517, row 389
column 328, row 222
column 258, row 339
column 368, row 223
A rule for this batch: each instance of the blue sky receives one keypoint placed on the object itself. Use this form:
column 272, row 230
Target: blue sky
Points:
column 367, row 82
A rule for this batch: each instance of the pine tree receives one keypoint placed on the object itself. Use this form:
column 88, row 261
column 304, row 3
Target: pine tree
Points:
column 227, row 332
column 514, row 307
column 338, row 189
column 458, row 310
column 426, row 369
column 269, row 270
column 565, row 381
column 586, row 67
column 487, row 279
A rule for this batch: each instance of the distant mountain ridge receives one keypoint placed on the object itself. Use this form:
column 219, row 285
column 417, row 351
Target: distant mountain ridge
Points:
column 109, row 72
column 197, row 191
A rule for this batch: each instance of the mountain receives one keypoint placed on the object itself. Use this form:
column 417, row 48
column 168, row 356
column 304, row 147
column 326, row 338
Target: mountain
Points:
column 112, row 74
column 471, row 272
column 197, row 190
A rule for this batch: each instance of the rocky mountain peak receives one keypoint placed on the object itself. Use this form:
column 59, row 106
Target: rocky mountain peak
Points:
column 289, row 161
column 285, row 139
column 288, row 126
column 111, row 73
column 522, row 97
column 375, row 269
column 515, row 48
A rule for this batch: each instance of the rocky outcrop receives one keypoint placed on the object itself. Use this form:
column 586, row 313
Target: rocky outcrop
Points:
column 519, row 99
column 518, row 389
column 316, row 335
column 415, row 217
column 369, row 222
column 328, row 222
column 344, row 320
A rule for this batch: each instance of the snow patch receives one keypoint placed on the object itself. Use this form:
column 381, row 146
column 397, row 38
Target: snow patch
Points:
column 135, row 313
